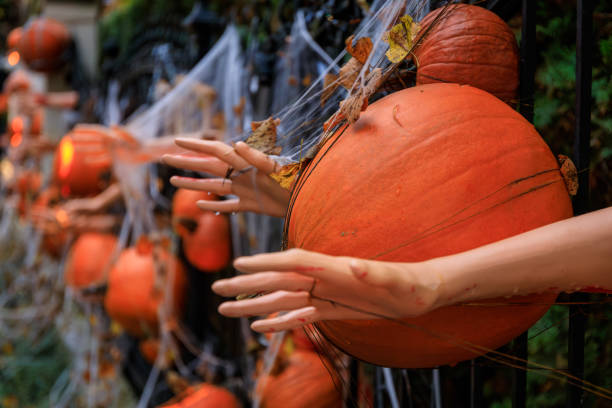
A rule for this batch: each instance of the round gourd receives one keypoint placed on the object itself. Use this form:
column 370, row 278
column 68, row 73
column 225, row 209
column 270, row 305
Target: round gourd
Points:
column 469, row 45
column 82, row 165
column 426, row 172
column 302, row 382
column 89, row 259
column 43, row 43
column 133, row 296
column 205, row 396
column 184, row 207
column 208, row 248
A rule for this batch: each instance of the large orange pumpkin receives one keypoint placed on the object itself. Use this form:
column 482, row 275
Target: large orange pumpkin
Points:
column 89, row 259
column 205, row 396
column 133, row 295
column 208, row 248
column 426, row 172
column 469, row 45
column 302, row 382
column 43, row 44
column 82, row 165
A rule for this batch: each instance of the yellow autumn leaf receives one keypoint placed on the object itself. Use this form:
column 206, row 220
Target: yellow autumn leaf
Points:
column 400, row 39
column 287, row 174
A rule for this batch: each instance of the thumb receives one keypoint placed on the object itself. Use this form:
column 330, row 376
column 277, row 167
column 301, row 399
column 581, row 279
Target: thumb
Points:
column 372, row 273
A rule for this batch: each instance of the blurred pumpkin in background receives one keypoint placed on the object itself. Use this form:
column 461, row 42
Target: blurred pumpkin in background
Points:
column 204, row 396
column 89, row 260
column 135, row 292
column 205, row 235
column 300, row 380
column 43, row 44
column 82, row 165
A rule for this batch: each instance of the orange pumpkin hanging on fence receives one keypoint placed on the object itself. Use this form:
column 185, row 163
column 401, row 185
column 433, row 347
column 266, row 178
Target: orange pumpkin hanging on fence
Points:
column 135, row 293
column 89, row 260
column 469, row 45
column 301, row 381
column 205, row 396
column 426, row 172
column 82, row 164
column 206, row 236
column 43, row 44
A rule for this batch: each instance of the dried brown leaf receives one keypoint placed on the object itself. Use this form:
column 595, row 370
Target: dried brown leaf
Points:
column 569, row 173
column 292, row 81
column 307, row 80
column 352, row 107
column 361, row 50
column 350, row 72
column 263, row 136
column 330, row 84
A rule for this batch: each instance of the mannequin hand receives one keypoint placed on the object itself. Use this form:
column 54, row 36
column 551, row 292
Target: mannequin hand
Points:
column 244, row 172
column 313, row 287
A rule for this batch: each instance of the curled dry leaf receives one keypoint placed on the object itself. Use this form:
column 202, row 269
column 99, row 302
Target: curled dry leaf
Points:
column 307, row 80
column 330, row 84
column 287, row 174
column 400, row 39
column 292, row 80
column 263, row 136
column 351, row 107
column 569, row 173
column 350, row 72
column 361, row 50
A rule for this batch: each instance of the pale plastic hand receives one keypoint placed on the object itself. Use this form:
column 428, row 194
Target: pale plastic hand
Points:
column 573, row 254
column 312, row 287
column 249, row 179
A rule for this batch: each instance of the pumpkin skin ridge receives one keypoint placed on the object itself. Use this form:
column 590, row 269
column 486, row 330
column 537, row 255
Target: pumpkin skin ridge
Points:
column 515, row 136
column 492, row 41
column 437, row 134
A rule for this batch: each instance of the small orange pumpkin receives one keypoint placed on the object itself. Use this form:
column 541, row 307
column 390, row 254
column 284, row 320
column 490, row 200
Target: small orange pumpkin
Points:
column 184, row 208
column 302, row 381
column 208, row 248
column 89, row 259
column 134, row 296
column 43, row 43
column 82, row 165
column 205, row 396
column 469, row 45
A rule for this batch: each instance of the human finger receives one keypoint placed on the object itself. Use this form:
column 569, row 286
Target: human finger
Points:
column 266, row 304
column 261, row 161
column 320, row 310
column 202, row 164
column 215, row 148
column 217, row 186
column 293, row 260
column 263, row 282
column 226, row 206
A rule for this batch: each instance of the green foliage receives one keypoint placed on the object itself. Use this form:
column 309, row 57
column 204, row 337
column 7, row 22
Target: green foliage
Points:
column 556, row 90
column 29, row 370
